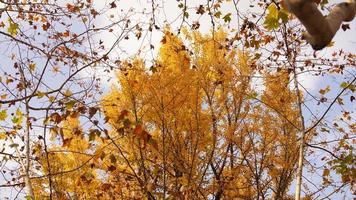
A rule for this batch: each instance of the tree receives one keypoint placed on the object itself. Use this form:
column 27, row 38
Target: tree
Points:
column 188, row 132
column 210, row 105
column 321, row 30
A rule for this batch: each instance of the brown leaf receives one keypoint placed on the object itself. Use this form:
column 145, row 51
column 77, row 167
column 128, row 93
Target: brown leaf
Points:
column 138, row 130
column 56, row 118
column 111, row 168
column 66, row 142
column 92, row 111
column 345, row 27
column 123, row 114
column 113, row 5
column 163, row 41
column 46, row 26
column 200, row 10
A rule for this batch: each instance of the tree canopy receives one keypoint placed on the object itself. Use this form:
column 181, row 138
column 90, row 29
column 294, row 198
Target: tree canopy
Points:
column 217, row 99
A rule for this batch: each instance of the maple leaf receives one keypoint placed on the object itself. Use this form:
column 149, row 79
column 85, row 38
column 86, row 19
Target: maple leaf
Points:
column 13, row 28
column 32, row 66
column 113, row 4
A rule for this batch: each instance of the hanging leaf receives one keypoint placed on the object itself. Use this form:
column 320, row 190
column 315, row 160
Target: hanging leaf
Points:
column 3, row 115
column 13, row 28
column 32, row 66
column 343, row 85
column 2, row 136
column 227, row 18
column 112, row 159
column 271, row 21
column 275, row 16
column 18, row 118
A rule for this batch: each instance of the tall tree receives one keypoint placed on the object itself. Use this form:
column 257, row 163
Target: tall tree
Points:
column 208, row 100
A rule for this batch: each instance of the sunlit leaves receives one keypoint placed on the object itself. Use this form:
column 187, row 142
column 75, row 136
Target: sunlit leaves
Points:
column 13, row 28
column 274, row 17
column 70, row 104
column 323, row 3
column 324, row 91
column 271, row 21
column 217, row 14
column 112, row 159
column 17, row 118
column 227, row 18
column 68, row 93
column 3, row 136
column 3, row 115
column 32, row 66
column 343, row 85
column 331, row 44
column 205, row 102
column 93, row 133
column 345, row 166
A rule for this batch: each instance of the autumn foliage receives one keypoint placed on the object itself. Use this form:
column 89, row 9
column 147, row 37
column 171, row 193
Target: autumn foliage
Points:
column 188, row 128
column 216, row 108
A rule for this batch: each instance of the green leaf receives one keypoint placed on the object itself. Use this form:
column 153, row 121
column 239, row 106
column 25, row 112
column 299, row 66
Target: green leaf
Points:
column 217, row 14
column 93, row 133
column 352, row 88
column 324, row 91
column 275, row 16
column 70, row 104
column 343, row 84
column 252, row 95
column 323, row 3
column 227, row 18
column 283, row 15
column 12, row 30
column 3, row 115
column 271, row 21
column 18, row 118
column 324, row 130
column 40, row 94
column 92, row 136
column 14, row 145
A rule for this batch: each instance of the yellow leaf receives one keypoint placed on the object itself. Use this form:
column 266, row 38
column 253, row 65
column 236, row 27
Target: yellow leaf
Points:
column 68, row 93
column 12, row 30
column 2, row 136
column 40, row 94
column 331, row 44
column 52, row 98
column 32, row 66
column 326, row 172
column 3, row 115
column 55, row 69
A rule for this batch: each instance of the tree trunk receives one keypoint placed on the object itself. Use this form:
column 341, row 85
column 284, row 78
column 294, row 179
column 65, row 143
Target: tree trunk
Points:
column 320, row 29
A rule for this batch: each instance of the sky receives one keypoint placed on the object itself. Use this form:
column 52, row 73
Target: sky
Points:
column 169, row 13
